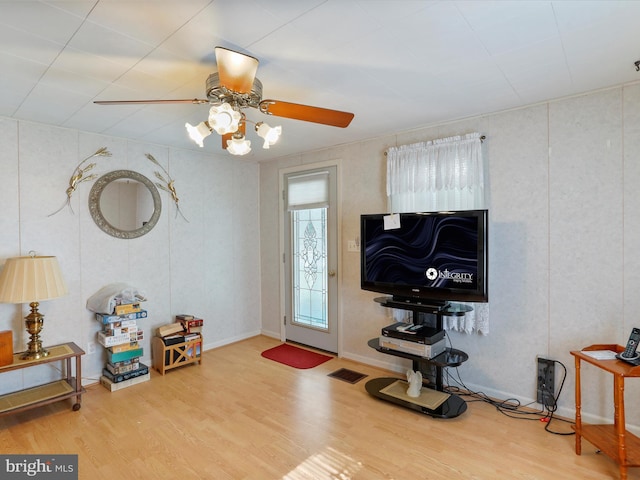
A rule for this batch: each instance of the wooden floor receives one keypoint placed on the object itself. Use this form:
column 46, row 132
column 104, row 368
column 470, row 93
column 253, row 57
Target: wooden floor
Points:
column 240, row 416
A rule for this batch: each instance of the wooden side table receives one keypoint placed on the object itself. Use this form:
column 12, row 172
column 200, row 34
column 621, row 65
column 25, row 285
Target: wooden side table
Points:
column 68, row 387
column 613, row 440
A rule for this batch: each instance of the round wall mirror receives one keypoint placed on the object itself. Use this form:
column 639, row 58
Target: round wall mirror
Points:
column 124, row 204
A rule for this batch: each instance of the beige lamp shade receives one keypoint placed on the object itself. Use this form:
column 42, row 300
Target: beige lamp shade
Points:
column 31, row 279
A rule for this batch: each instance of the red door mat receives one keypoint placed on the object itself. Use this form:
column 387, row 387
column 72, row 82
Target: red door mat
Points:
column 295, row 357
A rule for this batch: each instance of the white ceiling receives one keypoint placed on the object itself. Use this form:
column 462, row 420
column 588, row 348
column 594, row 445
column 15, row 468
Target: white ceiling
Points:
column 396, row 64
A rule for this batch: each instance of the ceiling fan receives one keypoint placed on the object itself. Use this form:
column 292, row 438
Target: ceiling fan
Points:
column 233, row 88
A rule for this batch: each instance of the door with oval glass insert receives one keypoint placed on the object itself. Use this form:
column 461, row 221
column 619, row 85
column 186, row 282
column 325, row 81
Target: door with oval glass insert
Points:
column 311, row 258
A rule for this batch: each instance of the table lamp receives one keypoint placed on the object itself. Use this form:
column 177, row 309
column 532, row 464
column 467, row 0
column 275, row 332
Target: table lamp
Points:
column 30, row 280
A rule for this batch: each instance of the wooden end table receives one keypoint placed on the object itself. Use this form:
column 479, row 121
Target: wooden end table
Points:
column 613, row 440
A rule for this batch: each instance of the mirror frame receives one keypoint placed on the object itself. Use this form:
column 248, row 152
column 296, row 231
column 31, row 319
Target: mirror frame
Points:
column 99, row 219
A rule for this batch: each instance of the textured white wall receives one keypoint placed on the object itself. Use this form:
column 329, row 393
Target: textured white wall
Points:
column 564, row 242
column 208, row 266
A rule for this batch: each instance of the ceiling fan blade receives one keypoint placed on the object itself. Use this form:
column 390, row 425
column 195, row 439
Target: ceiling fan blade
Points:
column 225, row 137
column 195, row 101
column 242, row 128
column 307, row 113
column 236, row 70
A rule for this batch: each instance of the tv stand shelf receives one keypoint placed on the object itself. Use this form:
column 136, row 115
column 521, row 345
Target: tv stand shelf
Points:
column 431, row 368
column 448, row 310
column 451, row 357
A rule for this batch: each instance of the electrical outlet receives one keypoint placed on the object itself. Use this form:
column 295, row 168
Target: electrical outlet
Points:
column 546, row 381
column 91, row 348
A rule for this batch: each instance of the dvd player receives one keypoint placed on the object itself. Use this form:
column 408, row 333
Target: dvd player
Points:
column 428, row 351
column 413, row 333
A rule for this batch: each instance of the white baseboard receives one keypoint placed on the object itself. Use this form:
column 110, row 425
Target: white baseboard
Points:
column 230, row 340
column 268, row 333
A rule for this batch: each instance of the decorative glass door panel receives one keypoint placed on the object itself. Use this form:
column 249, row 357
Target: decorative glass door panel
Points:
column 310, row 268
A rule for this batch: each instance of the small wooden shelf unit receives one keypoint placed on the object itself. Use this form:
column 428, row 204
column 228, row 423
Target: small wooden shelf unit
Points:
column 166, row 357
column 612, row 439
column 67, row 387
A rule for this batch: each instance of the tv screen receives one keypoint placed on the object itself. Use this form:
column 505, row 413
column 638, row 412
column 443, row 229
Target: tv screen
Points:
column 427, row 256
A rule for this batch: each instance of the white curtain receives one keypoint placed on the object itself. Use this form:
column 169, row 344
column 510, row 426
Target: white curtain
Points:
column 443, row 174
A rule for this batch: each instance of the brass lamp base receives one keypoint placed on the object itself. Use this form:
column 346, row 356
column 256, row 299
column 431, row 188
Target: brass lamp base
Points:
column 35, row 354
column 34, row 322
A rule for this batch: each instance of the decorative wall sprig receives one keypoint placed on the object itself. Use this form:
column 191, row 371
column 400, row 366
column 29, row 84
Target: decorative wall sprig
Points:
column 167, row 184
column 78, row 176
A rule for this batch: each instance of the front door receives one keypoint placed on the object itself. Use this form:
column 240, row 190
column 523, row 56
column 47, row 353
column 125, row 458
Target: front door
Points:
column 310, row 268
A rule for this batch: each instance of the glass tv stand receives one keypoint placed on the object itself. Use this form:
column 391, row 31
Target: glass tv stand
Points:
column 432, row 369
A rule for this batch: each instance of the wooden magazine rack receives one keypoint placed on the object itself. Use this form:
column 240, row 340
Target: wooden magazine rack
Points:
column 167, row 357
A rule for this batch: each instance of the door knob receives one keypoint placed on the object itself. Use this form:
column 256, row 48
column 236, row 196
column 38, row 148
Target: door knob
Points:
column 332, row 273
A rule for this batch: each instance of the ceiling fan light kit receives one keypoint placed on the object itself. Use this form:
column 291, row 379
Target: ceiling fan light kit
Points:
column 233, row 88
column 224, row 119
column 269, row 134
column 238, row 145
column 199, row 132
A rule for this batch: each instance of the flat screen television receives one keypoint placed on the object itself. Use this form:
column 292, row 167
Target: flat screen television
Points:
column 432, row 257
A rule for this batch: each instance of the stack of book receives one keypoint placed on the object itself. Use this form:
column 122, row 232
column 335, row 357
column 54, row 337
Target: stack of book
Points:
column 190, row 323
column 184, row 329
column 170, row 329
column 121, row 336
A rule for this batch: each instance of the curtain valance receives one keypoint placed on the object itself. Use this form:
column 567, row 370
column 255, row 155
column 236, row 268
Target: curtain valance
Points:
column 446, row 163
